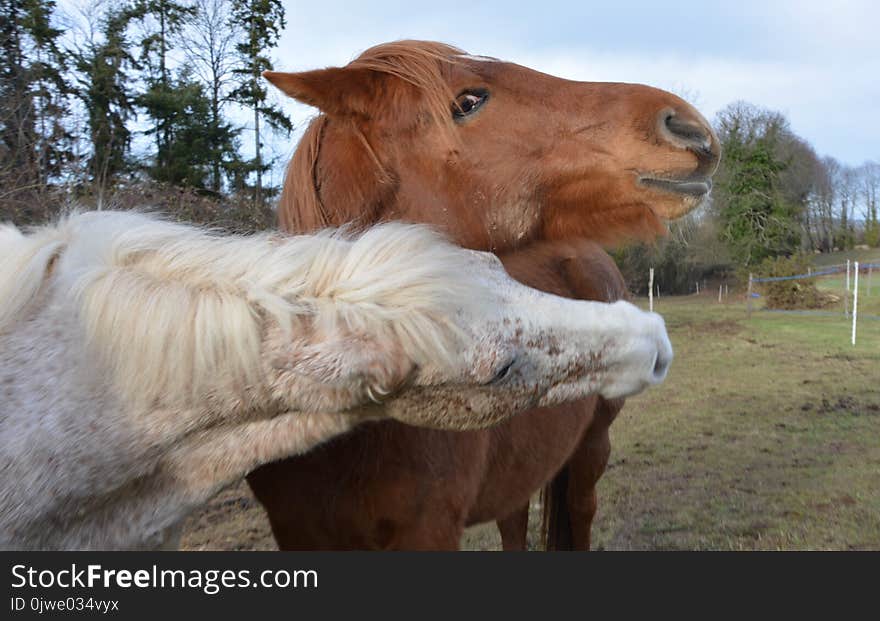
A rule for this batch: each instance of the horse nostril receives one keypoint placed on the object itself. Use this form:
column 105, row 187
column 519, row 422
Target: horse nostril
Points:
column 661, row 367
column 689, row 131
column 694, row 134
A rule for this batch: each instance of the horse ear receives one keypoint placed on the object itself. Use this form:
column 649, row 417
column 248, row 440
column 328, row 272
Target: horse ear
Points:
column 336, row 91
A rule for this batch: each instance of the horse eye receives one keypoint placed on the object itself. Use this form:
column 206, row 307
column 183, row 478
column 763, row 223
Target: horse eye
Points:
column 469, row 102
column 502, row 373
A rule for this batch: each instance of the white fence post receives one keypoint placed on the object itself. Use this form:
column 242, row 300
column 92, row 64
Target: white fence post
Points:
column 720, row 289
column 847, row 274
column 749, row 296
column 855, row 302
column 651, row 289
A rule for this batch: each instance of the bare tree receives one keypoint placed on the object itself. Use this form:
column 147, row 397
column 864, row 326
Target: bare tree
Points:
column 870, row 190
column 209, row 44
column 847, row 194
column 797, row 182
column 101, row 60
column 826, row 199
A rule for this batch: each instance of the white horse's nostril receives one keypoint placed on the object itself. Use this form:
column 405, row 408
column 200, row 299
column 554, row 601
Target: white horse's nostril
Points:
column 661, row 367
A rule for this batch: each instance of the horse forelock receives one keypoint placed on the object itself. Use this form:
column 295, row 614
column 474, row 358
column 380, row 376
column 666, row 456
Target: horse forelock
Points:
column 421, row 64
column 177, row 312
column 424, row 65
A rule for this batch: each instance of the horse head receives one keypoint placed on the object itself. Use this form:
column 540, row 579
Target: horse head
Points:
column 495, row 153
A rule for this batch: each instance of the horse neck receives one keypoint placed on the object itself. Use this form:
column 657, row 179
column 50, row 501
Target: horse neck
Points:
column 576, row 269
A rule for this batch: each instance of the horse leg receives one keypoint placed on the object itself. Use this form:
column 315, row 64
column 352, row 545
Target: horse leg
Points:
column 586, row 468
column 442, row 535
column 514, row 530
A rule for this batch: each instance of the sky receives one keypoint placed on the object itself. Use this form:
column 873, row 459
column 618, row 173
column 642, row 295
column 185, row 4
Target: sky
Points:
column 817, row 62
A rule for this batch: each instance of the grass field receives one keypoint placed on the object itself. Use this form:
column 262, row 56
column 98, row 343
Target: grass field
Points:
column 765, row 435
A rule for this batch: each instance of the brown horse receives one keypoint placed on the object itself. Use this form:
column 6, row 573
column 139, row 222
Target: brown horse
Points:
column 502, row 158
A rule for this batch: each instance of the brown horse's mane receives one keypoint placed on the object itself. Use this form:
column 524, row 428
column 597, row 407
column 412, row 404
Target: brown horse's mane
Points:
column 301, row 183
column 421, row 64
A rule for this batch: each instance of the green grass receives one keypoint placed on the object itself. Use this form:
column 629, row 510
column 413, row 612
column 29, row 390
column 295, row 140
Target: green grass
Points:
column 766, row 435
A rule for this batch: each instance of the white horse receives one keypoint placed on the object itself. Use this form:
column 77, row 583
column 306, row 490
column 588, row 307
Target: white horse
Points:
column 144, row 365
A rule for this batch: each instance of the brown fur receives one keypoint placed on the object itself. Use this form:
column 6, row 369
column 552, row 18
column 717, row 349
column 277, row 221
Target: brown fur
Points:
column 543, row 160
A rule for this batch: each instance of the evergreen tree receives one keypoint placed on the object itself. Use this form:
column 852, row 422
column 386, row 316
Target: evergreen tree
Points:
column 102, row 72
column 757, row 218
column 33, row 142
column 261, row 23
column 15, row 89
column 162, row 21
column 194, row 143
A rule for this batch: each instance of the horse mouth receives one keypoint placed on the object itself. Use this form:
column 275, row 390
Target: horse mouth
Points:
column 697, row 188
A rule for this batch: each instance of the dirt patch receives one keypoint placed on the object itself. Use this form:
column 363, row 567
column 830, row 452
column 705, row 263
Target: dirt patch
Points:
column 841, row 405
column 233, row 520
column 845, row 500
column 727, row 327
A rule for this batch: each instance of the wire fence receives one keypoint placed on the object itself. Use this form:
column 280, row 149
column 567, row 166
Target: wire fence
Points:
column 852, row 270
column 846, row 294
column 827, row 271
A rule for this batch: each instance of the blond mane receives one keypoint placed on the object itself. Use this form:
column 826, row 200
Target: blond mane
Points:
column 24, row 260
column 174, row 309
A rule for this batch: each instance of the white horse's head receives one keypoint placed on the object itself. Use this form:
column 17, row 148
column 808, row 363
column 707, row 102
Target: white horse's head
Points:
column 506, row 348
